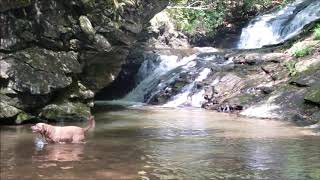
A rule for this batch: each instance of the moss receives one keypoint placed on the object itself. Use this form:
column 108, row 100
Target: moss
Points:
column 24, row 2
column 179, row 84
column 313, row 94
column 303, row 51
column 8, row 111
column 315, row 174
column 243, row 99
column 66, row 110
column 312, row 69
column 23, row 117
column 89, row 5
column 317, row 32
column 291, row 66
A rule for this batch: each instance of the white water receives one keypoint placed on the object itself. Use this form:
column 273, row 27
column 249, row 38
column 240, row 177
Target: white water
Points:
column 281, row 25
column 186, row 97
column 149, row 74
column 156, row 74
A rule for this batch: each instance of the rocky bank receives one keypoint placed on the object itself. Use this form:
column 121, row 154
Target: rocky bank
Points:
column 265, row 83
column 55, row 55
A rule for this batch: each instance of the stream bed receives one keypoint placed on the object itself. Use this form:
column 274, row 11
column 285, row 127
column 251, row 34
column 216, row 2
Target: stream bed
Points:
column 160, row 143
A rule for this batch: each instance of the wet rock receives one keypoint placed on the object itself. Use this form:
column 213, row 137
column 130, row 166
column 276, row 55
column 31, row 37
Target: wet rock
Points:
column 74, row 44
column 228, row 83
column 227, row 108
column 266, row 90
column 86, row 26
column 13, row 4
column 102, row 44
column 252, row 58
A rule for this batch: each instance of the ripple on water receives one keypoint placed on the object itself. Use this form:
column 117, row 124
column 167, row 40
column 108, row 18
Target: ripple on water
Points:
column 155, row 143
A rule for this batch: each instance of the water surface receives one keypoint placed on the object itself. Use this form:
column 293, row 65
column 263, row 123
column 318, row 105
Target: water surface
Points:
column 153, row 143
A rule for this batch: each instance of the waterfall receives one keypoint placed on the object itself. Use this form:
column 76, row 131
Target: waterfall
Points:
column 186, row 97
column 160, row 74
column 148, row 75
column 280, row 25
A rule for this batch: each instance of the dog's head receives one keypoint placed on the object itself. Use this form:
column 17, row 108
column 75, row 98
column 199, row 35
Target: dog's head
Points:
column 39, row 127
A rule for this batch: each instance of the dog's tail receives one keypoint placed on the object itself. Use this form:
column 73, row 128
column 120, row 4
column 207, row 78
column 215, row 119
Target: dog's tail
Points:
column 91, row 123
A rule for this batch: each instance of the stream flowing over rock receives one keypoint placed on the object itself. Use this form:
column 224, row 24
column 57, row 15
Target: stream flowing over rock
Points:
column 280, row 25
column 54, row 55
column 253, row 83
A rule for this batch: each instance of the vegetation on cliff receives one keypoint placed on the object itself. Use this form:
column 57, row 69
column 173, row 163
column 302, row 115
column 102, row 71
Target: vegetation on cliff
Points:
column 208, row 16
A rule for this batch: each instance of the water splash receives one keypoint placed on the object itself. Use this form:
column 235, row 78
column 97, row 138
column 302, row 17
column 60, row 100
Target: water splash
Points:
column 281, row 25
column 39, row 143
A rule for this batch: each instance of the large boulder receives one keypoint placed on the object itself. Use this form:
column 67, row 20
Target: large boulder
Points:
column 65, row 111
column 313, row 95
column 39, row 71
column 61, row 52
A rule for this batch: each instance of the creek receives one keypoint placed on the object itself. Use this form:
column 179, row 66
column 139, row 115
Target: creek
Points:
column 161, row 143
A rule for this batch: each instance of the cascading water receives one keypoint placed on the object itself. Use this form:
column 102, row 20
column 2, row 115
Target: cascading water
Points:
column 281, row 25
column 149, row 73
column 160, row 75
column 173, row 82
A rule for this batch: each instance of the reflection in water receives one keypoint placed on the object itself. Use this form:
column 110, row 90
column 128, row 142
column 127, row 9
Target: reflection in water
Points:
column 59, row 152
column 154, row 143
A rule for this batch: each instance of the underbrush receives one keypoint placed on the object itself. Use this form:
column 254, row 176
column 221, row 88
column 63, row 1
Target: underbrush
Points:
column 317, row 32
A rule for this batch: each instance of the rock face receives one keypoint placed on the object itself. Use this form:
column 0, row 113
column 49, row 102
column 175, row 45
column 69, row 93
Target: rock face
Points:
column 54, row 55
column 255, row 83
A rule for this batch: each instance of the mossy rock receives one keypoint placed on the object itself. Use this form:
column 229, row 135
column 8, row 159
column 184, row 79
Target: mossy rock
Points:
column 66, row 111
column 243, row 99
column 313, row 95
column 14, row 4
column 179, row 84
column 8, row 111
column 23, row 116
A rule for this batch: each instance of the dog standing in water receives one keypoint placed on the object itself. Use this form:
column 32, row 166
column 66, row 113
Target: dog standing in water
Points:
column 63, row 134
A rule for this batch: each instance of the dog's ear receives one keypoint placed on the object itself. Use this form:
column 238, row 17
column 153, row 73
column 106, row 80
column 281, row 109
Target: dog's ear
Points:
column 43, row 128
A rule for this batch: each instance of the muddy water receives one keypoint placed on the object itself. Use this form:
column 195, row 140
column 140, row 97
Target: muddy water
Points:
column 152, row 143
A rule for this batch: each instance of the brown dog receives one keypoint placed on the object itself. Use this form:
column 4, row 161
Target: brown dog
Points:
column 63, row 134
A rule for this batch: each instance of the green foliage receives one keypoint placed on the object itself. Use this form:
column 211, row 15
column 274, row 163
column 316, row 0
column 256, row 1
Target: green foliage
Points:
column 291, row 66
column 205, row 16
column 195, row 20
column 317, row 32
column 302, row 51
